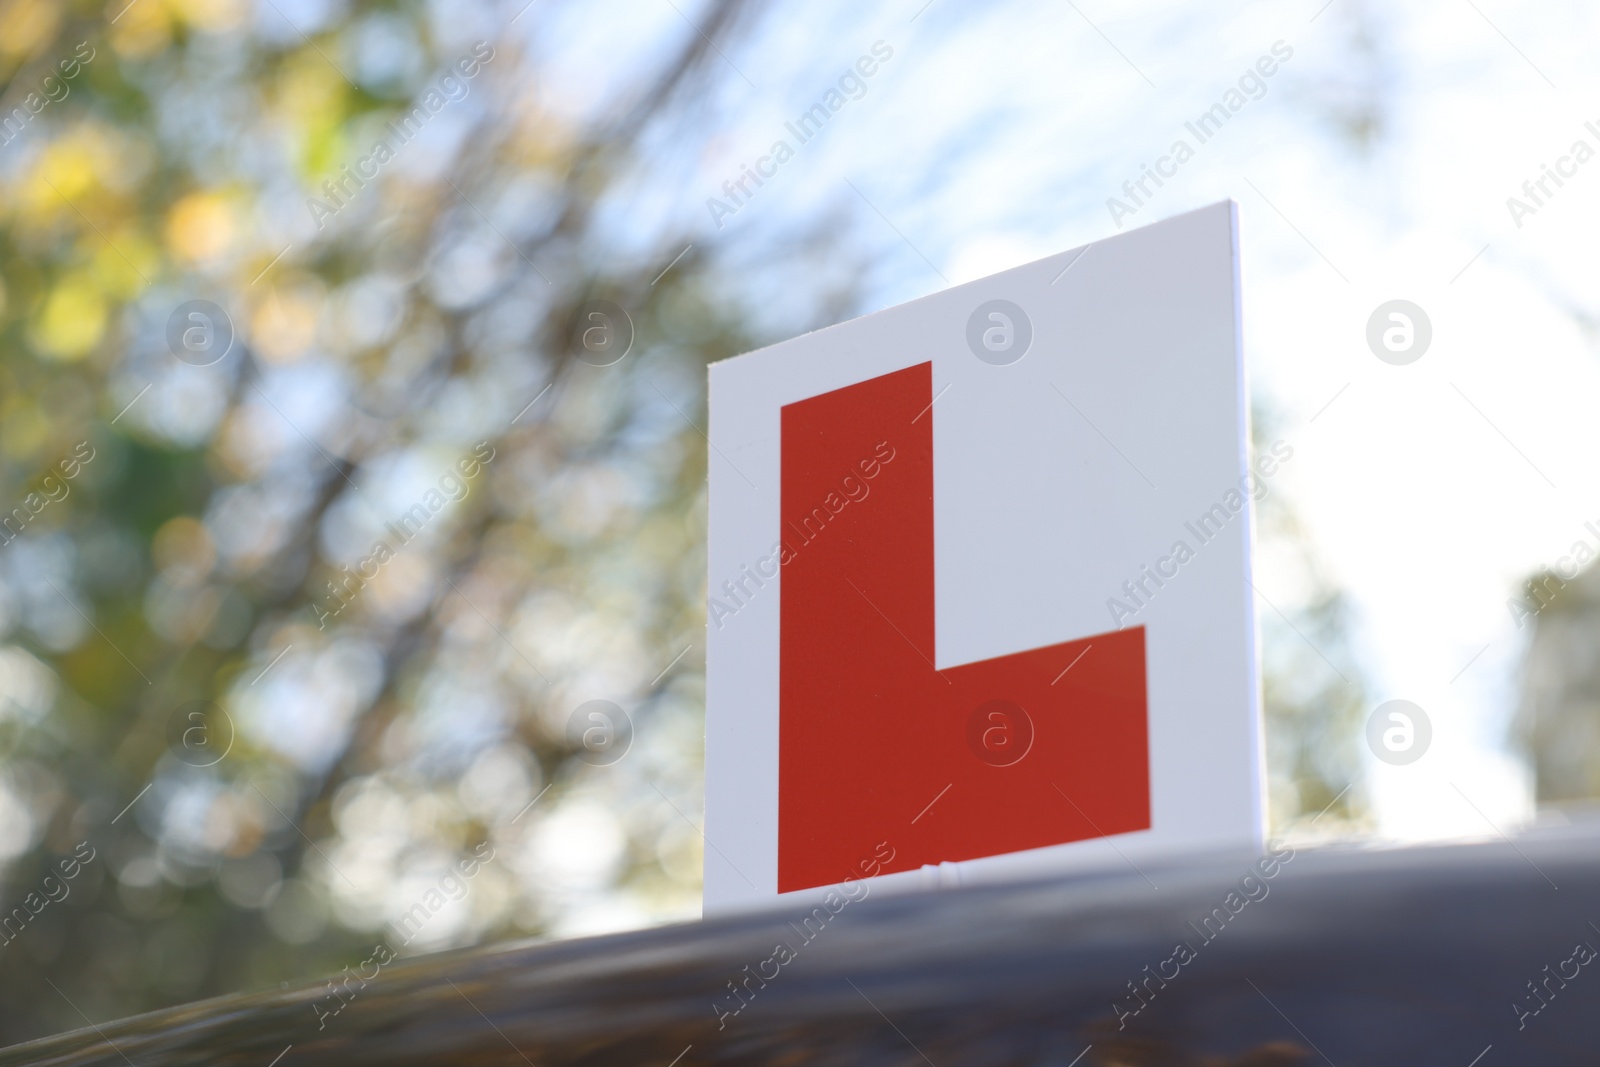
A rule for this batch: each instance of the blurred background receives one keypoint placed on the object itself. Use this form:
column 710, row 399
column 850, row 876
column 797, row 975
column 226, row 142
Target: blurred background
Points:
column 285, row 281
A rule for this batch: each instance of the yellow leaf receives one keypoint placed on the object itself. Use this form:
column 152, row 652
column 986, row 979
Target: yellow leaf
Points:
column 200, row 227
column 285, row 323
column 142, row 29
column 72, row 320
column 214, row 16
column 123, row 264
column 27, row 24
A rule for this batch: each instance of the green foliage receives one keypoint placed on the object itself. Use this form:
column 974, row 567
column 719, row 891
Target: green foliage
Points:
column 268, row 785
column 1313, row 689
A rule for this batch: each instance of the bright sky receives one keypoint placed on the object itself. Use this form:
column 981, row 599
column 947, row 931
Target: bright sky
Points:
column 1431, row 489
column 995, row 136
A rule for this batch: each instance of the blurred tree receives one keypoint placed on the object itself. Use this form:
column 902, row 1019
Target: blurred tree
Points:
column 279, row 741
column 1312, row 687
column 1315, row 694
column 351, row 398
column 1558, row 717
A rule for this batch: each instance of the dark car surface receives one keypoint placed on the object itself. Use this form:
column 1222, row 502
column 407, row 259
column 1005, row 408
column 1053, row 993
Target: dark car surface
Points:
column 1453, row 955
